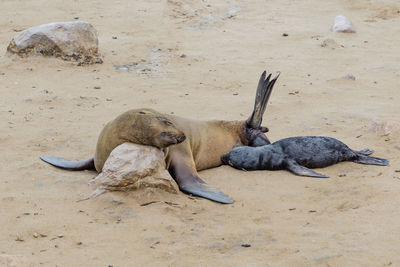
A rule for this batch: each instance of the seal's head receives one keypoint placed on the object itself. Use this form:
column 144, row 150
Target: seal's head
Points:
column 255, row 136
column 149, row 127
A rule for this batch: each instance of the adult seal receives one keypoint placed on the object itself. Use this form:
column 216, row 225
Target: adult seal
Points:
column 202, row 146
column 297, row 154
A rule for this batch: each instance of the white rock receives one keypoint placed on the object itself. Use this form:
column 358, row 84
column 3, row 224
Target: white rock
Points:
column 75, row 40
column 132, row 166
column 342, row 24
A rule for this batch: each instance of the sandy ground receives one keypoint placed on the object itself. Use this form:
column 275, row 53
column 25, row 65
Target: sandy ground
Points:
column 202, row 60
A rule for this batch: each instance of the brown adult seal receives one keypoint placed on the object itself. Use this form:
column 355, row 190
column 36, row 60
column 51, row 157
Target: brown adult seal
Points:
column 206, row 142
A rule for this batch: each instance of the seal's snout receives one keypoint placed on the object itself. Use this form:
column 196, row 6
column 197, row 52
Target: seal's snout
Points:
column 171, row 139
column 225, row 158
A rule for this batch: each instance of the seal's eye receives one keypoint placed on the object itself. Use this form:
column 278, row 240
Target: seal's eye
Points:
column 167, row 122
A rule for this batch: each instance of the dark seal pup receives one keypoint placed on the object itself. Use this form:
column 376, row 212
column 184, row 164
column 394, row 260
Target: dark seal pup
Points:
column 201, row 147
column 297, row 154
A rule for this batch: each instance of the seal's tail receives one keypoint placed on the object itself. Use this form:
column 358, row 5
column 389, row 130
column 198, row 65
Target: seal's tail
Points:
column 74, row 165
column 362, row 159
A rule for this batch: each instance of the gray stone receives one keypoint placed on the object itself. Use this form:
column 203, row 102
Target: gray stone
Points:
column 342, row 24
column 72, row 41
column 131, row 167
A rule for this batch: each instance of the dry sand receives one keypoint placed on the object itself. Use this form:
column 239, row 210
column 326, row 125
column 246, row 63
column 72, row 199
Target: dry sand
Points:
column 202, row 60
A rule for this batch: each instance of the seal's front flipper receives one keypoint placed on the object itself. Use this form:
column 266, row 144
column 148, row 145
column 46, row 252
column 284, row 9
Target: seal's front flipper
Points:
column 206, row 191
column 371, row 160
column 182, row 168
column 74, row 165
column 365, row 152
column 297, row 169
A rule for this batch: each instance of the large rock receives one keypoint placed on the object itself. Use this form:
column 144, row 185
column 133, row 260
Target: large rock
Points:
column 75, row 40
column 132, row 166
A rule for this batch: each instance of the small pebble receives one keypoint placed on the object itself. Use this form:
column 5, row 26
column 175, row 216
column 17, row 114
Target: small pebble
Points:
column 35, row 235
column 108, row 99
column 114, row 37
column 60, row 236
column 246, row 245
column 97, row 87
column 285, row 34
column 76, row 17
column 350, row 76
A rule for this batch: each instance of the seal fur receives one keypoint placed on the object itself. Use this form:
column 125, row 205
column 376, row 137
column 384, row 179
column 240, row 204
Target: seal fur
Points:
column 205, row 142
column 297, row 154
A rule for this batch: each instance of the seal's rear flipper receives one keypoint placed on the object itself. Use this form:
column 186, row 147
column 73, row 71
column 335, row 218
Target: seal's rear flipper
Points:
column 371, row 160
column 297, row 169
column 263, row 93
column 74, row 165
column 365, row 152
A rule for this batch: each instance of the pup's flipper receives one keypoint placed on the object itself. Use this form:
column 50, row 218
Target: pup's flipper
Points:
column 371, row 160
column 297, row 169
column 365, row 152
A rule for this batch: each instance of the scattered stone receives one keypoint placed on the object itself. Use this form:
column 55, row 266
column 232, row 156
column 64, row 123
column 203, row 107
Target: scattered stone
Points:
column 60, row 236
column 342, row 24
column 71, row 41
column 35, row 235
column 122, row 68
column 330, row 43
column 76, row 17
column 132, row 166
column 285, row 34
column 97, row 87
column 350, row 76
column 246, row 245
column 114, row 37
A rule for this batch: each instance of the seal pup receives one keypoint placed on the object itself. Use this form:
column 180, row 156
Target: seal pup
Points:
column 205, row 142
column 297, row 154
